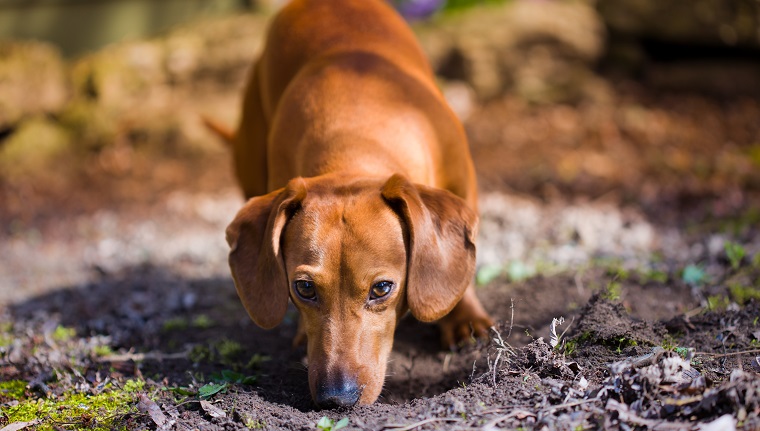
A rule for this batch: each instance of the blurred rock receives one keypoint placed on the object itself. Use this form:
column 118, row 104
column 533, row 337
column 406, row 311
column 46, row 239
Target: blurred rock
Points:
column 130, row 90
column 36, row 147
column 542, row 50
column 708, row 22
column 32, row 80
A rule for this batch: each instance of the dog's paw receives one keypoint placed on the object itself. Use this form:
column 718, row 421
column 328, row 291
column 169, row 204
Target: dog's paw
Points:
column 459, row 329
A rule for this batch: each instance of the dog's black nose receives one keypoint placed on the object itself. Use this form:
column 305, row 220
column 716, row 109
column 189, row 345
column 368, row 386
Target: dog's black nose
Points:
column 342, row 392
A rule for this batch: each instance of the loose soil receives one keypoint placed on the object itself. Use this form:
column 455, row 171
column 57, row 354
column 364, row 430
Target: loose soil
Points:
column 590, row 213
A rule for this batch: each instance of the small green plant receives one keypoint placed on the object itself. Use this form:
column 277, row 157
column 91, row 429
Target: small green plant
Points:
column 668, row 343
column 613, row 291
column 652, row 275
column 221, row 381
column 103, row 350
column 742, row 294
column 256, row 360
column 682, row 351
column 694, row 275
column 570, row 347
column 6, row 338
column 229, row 350
column 62, row 333
column 624, row 342
column 202, row 321
column 200, row 353
column 174, row 324
column 617, row 272
column 254, row 423
column 327, row 424
column 210, row 389
column 717, row 302
column 735, row 253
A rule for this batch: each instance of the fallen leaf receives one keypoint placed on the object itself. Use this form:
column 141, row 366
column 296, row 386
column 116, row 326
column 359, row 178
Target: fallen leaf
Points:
column 723, row 423
column 18, row 425
column 212, row 410
column 146, row 405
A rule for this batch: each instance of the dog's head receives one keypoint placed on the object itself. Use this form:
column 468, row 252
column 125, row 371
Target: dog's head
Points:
column 353, row 256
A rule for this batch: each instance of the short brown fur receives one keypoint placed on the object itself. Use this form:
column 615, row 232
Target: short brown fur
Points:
column 358, row 173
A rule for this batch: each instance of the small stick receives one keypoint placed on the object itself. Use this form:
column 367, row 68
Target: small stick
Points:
column 723, row 355
column 137, row 357
column 395, row 427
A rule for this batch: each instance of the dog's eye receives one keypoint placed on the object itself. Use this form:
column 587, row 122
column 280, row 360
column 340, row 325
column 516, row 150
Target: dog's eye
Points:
column 305, row 289
column 380, row 289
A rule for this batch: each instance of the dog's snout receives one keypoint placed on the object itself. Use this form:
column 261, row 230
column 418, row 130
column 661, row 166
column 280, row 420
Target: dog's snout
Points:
column 342, row 392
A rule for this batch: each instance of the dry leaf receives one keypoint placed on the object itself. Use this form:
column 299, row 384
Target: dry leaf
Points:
column 212, row 410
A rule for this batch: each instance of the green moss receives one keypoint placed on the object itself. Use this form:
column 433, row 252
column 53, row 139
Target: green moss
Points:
column 623, row 343
column 14, row 389
column 669, row 343
column 613, row 291
column 200, row 353
column 735, row 253
column 174, row 324
column 652, row 275
column 62, row 333
column 256, row 360
column 5, row 340
column 742, row 294
column 255, row 423
column 102, row 350
column 202, row 321
column 99, row 412
column 134, row 385
column 617, row 272
column 570, row 347
column 229, row 350
column 717, row 302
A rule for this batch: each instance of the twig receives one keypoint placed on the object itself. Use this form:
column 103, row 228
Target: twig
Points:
column 625, row 415
column 397, row 427
column 512, row 316
column 723, row 355
column 137, row 357
column 564, row 406
column 491, row 424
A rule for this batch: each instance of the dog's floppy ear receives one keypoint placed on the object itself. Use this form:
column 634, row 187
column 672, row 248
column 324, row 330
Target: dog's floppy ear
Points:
column 256, row 261
column 442, row 231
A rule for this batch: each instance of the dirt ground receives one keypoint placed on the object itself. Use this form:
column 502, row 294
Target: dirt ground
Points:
column 637, row 221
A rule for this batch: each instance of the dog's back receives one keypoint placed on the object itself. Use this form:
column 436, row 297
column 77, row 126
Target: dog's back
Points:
column 343, row 83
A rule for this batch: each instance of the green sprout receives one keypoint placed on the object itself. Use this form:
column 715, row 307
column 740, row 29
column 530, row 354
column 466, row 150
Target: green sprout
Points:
column 735, row 253
column 327, row 424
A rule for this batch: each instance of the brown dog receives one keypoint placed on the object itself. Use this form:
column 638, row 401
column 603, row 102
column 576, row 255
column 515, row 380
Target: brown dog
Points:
column 363, row 194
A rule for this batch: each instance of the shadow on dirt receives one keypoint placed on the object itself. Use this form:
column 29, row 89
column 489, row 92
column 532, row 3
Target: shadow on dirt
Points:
column 189, row 329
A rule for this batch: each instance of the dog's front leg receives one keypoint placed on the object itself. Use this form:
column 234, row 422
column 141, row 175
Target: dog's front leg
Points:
column 468, row 320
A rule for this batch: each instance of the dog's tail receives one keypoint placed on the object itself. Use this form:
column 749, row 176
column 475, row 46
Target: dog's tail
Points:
column 227, row 135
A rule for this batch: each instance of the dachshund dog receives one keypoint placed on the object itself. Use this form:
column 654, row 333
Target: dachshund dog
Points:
column 363, row 198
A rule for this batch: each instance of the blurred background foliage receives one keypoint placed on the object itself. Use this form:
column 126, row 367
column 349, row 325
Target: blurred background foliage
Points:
column 98, row 90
